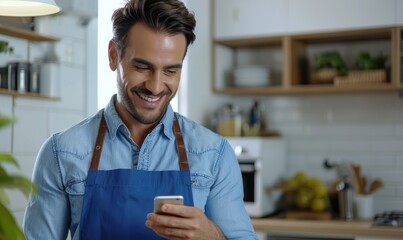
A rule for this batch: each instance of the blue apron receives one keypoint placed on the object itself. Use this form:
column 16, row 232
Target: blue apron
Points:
column 116, row 202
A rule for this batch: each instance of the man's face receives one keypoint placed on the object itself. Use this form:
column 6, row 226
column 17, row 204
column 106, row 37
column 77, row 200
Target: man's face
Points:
column 149, row 71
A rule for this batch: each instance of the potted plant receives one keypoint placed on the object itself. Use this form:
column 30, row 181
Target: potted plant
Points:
column 364, row 61
column 328, row 65
column 9, row 229
column 368, row 70
column 5, row 47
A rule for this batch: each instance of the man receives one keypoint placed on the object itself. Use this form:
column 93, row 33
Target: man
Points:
column 98, row 179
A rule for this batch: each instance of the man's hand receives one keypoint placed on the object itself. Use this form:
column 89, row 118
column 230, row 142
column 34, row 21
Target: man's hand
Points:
column 183, row 222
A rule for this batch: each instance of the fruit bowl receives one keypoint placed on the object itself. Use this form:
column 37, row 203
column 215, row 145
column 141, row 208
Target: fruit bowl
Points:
column 306, row 197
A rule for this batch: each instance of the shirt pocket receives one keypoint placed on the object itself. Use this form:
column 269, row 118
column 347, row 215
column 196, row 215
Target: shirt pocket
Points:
column 76, row 187
column 201, row 181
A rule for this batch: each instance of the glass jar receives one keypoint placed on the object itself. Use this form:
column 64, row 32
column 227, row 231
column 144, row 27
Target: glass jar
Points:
column 230, row 121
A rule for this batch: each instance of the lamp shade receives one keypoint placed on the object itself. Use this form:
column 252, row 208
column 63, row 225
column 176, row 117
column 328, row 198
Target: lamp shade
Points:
column 27, row 8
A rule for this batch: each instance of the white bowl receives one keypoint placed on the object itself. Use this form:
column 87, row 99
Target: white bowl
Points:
column 251, row 76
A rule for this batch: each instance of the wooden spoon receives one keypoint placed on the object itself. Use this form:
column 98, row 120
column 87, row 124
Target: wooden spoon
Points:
column 357, row 178
column 375, row 185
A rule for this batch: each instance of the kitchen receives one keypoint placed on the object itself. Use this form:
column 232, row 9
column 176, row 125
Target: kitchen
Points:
column 365, row 128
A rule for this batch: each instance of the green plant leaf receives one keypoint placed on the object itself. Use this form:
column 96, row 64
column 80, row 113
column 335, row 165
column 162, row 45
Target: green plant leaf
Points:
column 9, row 228
column 19, row 182
column 3, row 172
column 8, row 158
column 3, row 197
column 4, row 121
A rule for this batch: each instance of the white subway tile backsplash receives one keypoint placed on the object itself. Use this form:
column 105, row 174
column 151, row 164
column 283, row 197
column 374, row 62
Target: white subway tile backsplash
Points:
column 71, row 51
column 388, row 145
column 349, row 145
column 392, row 175
column 72, row 88
column 374, row 160
column 399, row 130
column 20, row 53
column 6, row 132
column 366, row 129
column 59, row 121
column 400, row 191
column 308, row 145
column 386, row 191
column 400, row 161
column 56, row 25
column 387, row 204
column 30, row 130
column 289, row 130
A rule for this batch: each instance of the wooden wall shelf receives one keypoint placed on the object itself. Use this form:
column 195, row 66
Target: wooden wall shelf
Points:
column 26, row 34
column 28, row 95
column 292, row 78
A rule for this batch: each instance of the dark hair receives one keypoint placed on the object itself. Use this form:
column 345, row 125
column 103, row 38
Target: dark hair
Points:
column 170, row 16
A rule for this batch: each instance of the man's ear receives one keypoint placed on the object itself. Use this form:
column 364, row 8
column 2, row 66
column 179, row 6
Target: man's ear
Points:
column 112, row 55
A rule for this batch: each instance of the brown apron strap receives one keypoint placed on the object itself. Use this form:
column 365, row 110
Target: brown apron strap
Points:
column 180, row 146
column 96, row 155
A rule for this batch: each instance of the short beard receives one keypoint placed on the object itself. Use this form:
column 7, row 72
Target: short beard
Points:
column 131, row 109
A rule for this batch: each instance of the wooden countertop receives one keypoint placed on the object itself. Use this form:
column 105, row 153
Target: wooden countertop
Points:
column 325, row 227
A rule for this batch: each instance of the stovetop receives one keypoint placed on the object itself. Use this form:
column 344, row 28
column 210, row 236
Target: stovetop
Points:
column 389, row 218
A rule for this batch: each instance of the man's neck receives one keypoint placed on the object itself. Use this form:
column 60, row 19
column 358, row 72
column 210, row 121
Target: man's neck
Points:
column 138, row 131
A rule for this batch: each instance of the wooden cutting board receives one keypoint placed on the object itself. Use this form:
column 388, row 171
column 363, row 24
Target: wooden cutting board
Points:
column 308, row 215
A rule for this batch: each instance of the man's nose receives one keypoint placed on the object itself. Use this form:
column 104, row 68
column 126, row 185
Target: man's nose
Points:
column 155, row 83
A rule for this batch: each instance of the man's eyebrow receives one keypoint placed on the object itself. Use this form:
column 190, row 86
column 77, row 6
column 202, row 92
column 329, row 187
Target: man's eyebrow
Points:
column 145, row 62
column 141, row 61
column 174, row 66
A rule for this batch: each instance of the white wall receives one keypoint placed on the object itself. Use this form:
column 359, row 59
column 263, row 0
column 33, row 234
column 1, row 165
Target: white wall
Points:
column 363, row 128
column 201, row 101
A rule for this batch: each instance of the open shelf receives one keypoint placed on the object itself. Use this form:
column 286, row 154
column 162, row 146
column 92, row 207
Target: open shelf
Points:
column 284, row 55
column 26, row 34
column 29, row 95
column 308, row 89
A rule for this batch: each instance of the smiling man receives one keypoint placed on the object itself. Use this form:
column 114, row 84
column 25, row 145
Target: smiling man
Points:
column 98, row 179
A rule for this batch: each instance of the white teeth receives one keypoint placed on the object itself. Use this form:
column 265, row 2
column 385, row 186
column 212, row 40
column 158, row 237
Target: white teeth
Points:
column 148, row 99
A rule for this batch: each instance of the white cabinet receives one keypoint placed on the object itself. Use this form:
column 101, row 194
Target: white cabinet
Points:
column 319, row 15
column 253, row 18
column 240, row 18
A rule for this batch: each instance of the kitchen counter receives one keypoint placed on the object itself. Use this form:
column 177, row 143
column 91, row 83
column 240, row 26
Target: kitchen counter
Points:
column 331, row 228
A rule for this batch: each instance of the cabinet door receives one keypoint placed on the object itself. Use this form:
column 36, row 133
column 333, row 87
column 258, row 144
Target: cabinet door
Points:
column 240, row 18
column 319, row 15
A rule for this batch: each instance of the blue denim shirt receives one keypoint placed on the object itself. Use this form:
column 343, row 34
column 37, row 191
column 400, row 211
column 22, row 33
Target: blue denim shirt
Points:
column 62, row 164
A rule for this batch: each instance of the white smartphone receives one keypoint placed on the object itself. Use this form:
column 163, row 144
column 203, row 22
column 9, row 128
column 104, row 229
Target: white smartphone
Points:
column 160, row 200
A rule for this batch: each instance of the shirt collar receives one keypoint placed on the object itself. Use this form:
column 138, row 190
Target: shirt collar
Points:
column 114, row 121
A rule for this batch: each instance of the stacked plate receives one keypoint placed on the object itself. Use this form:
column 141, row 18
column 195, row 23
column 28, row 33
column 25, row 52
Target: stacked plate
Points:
column 251, row 76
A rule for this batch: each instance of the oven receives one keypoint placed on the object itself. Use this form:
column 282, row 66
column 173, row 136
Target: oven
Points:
column 262, row 162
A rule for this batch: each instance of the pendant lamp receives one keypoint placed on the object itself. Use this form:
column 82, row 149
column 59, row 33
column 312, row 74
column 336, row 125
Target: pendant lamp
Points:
column 27, row 8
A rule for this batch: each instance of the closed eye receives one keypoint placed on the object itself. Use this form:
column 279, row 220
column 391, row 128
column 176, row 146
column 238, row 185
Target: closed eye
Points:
column 170, row 72
column 142, row 68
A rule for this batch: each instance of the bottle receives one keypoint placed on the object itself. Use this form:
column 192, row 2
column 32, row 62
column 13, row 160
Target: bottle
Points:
column 255, row 120
column 230, row 121
column 345, row 194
